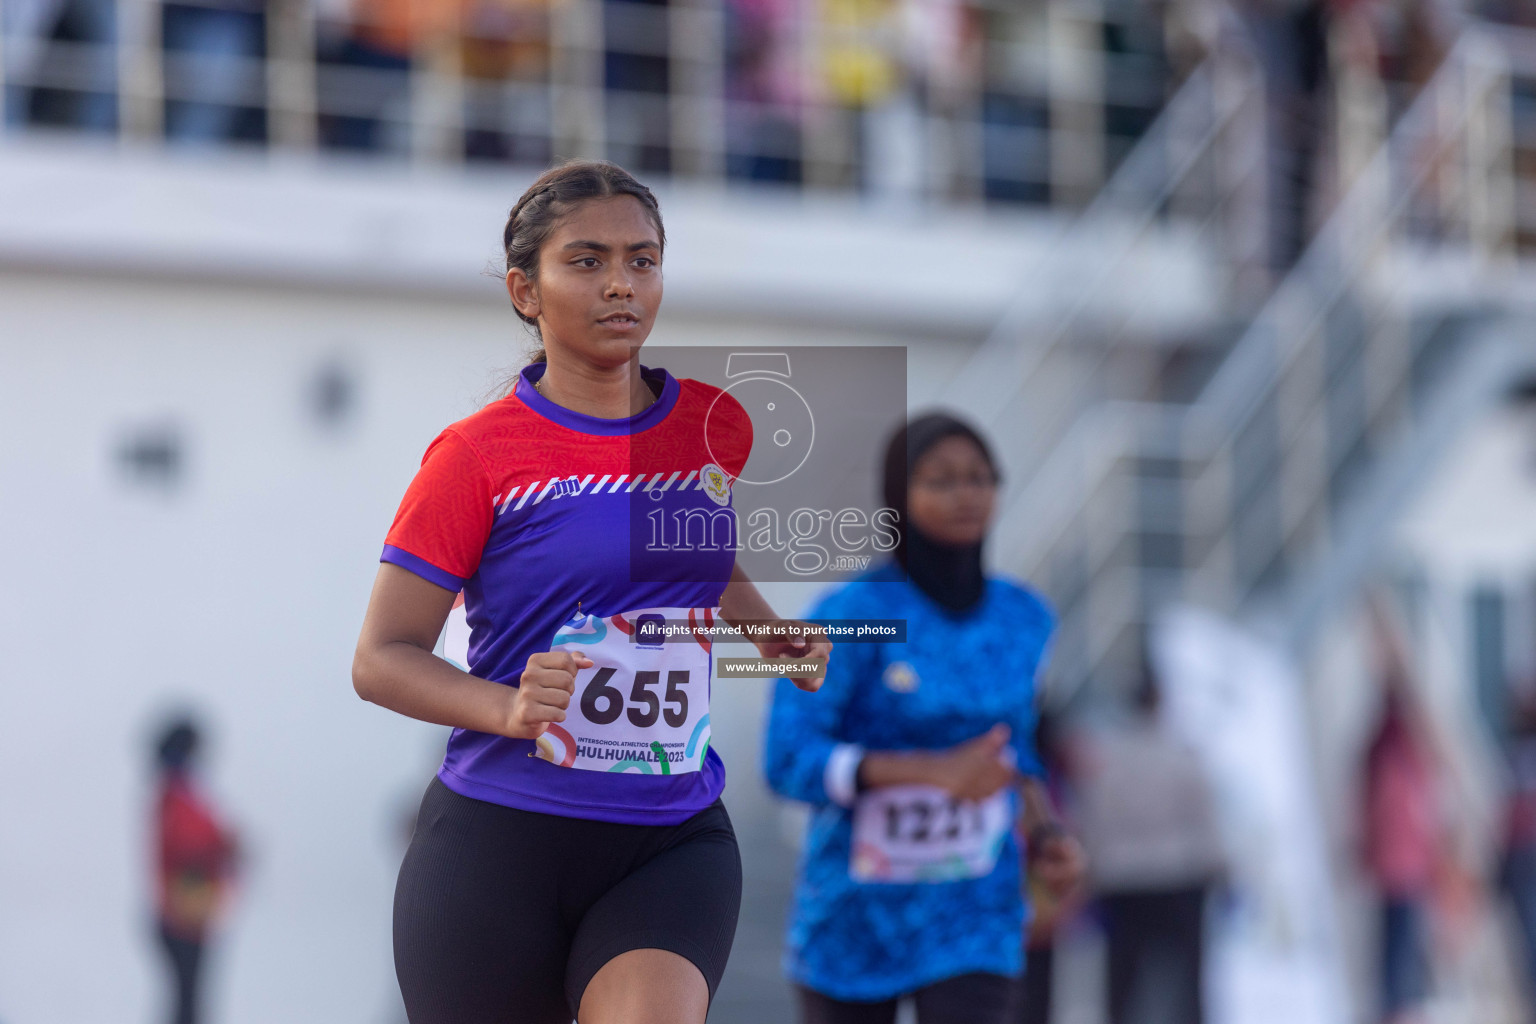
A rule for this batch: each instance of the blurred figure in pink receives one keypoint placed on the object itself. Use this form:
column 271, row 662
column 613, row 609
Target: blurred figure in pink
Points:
column 764, row 88
column 1402, row 849
column 195, row 861
column 1519, row 867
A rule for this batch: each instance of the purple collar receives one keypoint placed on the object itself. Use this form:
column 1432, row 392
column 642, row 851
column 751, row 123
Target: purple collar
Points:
column 581, row 422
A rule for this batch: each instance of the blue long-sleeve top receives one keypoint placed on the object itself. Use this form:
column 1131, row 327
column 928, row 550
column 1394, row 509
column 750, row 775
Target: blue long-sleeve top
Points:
column 955, row 677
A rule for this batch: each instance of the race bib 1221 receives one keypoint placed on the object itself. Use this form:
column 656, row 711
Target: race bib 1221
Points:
column 923, row 834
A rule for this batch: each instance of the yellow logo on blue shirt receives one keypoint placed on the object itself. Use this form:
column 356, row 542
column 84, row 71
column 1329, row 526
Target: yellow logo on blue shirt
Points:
column 899, row 677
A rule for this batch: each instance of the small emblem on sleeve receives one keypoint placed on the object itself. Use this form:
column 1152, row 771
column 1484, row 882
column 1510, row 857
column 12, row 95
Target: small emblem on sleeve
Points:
column 715, row 484
column 899, row 677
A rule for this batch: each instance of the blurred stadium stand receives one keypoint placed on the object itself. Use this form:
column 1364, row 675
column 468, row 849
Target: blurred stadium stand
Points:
column 1264, row 488
column 951, row 101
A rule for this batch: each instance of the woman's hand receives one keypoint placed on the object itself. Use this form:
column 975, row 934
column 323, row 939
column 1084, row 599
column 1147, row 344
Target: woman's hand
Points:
column 543, row 693
column 975, row 769
column 741, row 604
column 1058, row 862
column 792, row 638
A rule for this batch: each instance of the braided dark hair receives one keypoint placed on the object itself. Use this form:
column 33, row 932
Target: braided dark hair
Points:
column 551, row 197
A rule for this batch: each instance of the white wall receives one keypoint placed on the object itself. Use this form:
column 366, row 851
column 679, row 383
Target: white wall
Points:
column 740, row 254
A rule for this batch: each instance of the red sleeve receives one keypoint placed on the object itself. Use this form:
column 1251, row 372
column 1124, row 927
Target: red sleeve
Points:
column 730, row 435
column 445, row 517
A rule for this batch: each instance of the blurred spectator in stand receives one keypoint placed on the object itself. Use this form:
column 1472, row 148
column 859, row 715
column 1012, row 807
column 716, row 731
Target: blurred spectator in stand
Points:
column 1383, row 53
column 63, row 54
column 637, row 75
column 763, row 88
column 1402, row 846
column 1510, row 12
column 1360, row 100
column 1424, row 31
column 859, row 43
column 1519, row 867
column 1015, row 112
column 26, row 26
column 1136, row 92
column 505, row 56
column 195, row 860
column 215, row 78
column 943, row 57
column 1290, row 39
column 1149, row 825
column 363, row 77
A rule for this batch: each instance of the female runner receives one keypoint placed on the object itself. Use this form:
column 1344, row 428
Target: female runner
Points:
column 911, row 757
column 572, row 857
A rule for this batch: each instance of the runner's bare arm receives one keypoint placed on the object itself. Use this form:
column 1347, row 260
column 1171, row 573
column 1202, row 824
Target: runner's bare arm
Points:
column 900, row 768
column 1054, row 856
column 395, row 668
column 972, row 770
column 742, row 602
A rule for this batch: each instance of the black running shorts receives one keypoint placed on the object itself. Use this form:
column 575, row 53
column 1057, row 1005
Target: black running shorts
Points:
column 966, row 999
column 503, row 916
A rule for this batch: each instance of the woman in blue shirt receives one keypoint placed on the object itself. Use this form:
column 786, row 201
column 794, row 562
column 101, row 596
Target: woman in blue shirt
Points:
column 914, row 757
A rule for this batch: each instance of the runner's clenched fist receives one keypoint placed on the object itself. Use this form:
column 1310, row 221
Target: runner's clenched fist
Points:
column 544, row 692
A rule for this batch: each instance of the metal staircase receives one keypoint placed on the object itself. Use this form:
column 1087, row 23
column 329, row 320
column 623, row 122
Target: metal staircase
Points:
column 1196, row 174
column 1269, row 494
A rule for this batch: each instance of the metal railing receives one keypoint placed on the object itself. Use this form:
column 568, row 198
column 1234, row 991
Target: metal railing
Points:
column 665, row 89
column 1197, row 173
column 1233, row 500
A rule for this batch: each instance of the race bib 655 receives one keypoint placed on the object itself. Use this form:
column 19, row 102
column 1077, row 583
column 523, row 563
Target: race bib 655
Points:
column 643, row 705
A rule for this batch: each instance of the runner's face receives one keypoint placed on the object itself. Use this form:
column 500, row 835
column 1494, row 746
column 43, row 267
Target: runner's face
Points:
column 952, row 493
column 599, row 282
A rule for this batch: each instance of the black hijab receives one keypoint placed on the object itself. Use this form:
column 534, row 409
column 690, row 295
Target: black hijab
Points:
column 952, row 576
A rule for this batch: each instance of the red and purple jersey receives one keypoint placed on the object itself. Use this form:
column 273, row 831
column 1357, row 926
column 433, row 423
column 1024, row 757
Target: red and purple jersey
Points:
column 537, row 513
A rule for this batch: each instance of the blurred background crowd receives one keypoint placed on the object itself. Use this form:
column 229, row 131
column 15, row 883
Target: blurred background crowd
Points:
column 950, row 99
column 1240, row 291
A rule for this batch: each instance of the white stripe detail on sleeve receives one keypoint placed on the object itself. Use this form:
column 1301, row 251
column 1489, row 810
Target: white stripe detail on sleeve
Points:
column 618, row 483
column 687, row 480
column 597, row 488
column 670, row 480
column 841, row 776
column 510, row 495
column 526, row 495
column 636, row 482
column 583, row 486
column 547, row 488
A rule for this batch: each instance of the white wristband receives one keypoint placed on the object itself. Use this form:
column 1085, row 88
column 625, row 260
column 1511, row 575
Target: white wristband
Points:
column 841, row 777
